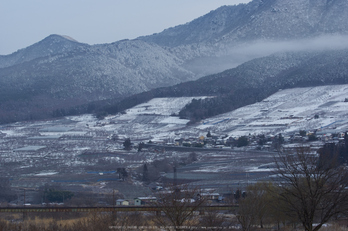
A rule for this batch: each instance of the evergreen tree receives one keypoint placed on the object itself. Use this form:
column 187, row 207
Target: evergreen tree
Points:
column 140, row 147
column 242, row 141
column 127, row 144
column 145, row 173
column 122, row 173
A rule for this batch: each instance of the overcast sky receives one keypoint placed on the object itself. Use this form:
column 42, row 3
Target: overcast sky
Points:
column 25, row 22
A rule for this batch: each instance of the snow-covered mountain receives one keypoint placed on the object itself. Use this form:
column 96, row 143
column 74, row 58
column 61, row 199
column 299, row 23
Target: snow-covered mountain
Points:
column 57, row 75
column 84, row 75
column 230, row 35
column 260, row 19
column 50, row 46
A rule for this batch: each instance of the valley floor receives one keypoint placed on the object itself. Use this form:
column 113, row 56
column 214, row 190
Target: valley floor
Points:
column 83, row 154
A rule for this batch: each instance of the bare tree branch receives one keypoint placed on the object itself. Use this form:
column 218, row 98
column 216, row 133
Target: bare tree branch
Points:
column 313, row 186
column 179, row 205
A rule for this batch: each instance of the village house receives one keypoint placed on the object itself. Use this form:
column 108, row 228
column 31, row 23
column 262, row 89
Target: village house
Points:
column 122, row 202
column 210, row 196
column 144, row 200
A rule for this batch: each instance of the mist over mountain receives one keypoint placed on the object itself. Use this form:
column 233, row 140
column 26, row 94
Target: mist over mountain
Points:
column 250, row 82
column 60, row 76
column 225, row 37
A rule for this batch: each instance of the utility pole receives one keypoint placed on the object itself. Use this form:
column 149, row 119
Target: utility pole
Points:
column 247, row 176
column 113, row 197
column 24, row 199
column 114, row 213
column 24, row 213
column 175, row 176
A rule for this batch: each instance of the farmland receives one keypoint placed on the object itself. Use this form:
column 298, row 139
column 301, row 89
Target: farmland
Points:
column 82, row 154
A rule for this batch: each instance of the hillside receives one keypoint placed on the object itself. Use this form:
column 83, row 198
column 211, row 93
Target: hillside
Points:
column 50, row 46
column 288, row 111
column 250, row 82
column 62, row 82
column 274, row 20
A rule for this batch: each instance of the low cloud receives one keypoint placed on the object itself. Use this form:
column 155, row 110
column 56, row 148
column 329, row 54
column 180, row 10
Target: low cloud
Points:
column 240, row 53
column 264, row 48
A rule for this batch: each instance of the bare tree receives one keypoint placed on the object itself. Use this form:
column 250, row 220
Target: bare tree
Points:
column 312, row 187
column 214, row 220
column 247, row 213
column 129, row 220
column 6, row 193
column 254, row 206
column 178, row 206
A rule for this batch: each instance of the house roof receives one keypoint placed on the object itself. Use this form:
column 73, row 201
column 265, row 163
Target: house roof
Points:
column 146, row 198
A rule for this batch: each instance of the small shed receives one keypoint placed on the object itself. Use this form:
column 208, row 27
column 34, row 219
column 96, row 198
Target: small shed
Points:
column 209, row 196
column 144, row 200
column 122, row 202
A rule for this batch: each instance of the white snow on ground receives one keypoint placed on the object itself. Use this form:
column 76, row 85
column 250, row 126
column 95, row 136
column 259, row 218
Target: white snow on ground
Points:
column 62, row 133
column 161, row 106
column 48, row 173
column 287, row 111
column 153, row 120
column 67, row 142
column 13, row 133
column 214, row 168
column 30, row 148
column 257, row 169
column 83, row 120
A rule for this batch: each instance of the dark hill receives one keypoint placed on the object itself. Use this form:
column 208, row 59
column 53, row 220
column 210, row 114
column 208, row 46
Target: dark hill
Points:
column 251, row 82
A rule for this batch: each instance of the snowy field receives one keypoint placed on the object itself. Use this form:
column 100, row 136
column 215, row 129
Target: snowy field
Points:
column 286, row 112
column 65, row 150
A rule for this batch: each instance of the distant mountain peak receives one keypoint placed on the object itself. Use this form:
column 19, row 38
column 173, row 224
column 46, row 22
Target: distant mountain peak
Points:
column 51, row 45
column 69, row 38
column 53, row 36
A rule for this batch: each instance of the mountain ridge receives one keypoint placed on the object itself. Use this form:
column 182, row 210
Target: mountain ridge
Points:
column 59, row 74
column 51, row 45
column 301, row 18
